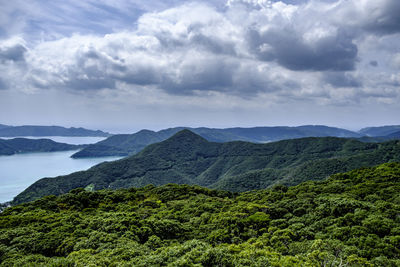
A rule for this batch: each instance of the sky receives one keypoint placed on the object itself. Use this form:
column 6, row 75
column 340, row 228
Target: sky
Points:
column 122, row 66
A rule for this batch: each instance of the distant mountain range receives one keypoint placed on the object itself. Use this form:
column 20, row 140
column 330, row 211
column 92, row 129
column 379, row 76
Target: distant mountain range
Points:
column 2, row 126
column 187, row 158
column 394, row 135
column 34, row 130
column 24, row 145
column 129, row 144
column 380, row 131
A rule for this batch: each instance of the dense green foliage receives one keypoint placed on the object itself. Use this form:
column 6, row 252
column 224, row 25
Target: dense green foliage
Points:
column 33, row 130
column 377, row 139
column 350, row 219
column 129, row 144
column 23, row 145
column 380, row 130
column 187, row 158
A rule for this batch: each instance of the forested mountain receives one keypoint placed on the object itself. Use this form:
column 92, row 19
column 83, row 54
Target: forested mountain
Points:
column 24, row 145
column 33, row 130
column 350, row 219
column 380, row 131
column 187, row 158
column 129, row 144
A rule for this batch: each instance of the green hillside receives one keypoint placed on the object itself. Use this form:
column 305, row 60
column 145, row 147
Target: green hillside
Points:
column 350, row 219
column 187, row 158
column 24, row 145
column 129, row 144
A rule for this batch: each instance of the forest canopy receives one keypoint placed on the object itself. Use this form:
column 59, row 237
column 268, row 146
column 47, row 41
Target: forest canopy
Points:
column 350, row 219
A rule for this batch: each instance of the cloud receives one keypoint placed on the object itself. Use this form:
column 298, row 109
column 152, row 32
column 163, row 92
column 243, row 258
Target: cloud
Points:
column 178, row 53
column 307, row 50
column 396, row 61
column 333, row 52
column 342, row 79
column 3, row 85
column 382, row 16
column 238, row 61
column 50, row 20
column 12, row 50
column 378, row 17
column 299, row 37
column 14, row 53
column 13, row 63
column 373, row 63
column 201, row 73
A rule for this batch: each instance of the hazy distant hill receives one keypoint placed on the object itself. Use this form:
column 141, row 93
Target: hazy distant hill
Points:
column 124, row 144
column 2, row 126
column 378, row 139
column 129, row 144
column 187, row 158
column 23, row 145
column 380, row 131
column 394, row 135
column 263, row 134
column 33, row 130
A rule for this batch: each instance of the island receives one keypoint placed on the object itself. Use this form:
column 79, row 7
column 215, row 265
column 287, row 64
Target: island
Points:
column 25, row 145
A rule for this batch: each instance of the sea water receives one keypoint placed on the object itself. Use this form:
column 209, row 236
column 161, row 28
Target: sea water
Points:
column 19, row 171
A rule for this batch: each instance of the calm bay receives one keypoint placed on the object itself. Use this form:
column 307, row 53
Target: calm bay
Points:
column 19, row 171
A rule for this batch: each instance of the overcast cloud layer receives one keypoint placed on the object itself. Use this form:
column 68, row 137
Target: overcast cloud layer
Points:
column 136, row 64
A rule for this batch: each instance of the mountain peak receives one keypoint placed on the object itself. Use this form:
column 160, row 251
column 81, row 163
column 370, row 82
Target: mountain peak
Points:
column 182, row 144
column 145, row 131
column 186, row 135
